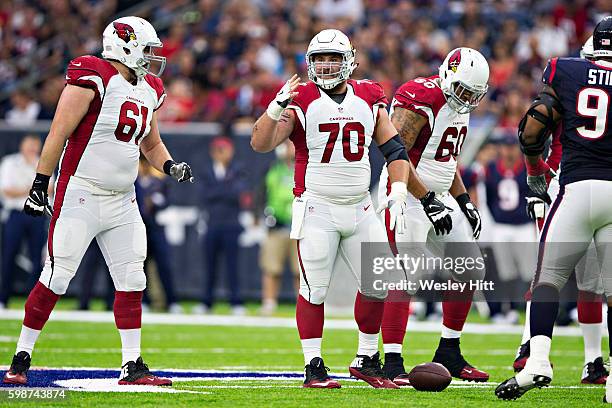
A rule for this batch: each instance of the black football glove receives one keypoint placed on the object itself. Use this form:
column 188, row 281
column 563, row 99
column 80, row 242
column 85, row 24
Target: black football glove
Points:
column 181, row 172
column 438, row 213
column 471, row 213
column 536, row 206
column 37, row 202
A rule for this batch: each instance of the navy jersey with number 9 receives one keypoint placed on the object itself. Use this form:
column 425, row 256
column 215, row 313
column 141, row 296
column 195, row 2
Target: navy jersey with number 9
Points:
column 585, row 91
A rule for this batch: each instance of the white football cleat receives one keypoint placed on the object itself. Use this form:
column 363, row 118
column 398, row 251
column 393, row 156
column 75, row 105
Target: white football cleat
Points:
column 536, row 374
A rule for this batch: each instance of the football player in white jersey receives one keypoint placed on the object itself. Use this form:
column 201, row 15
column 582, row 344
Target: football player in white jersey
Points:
column 332, row 121
column 432, row 116
column 105, row 118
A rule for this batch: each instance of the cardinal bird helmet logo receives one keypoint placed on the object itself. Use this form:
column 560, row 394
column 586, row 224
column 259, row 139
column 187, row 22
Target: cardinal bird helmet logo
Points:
column 454, row 61
column 124, row 31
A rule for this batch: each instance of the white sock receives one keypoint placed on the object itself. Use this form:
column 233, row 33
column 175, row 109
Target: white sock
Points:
column 130, row 345
column 450, row 333
column 526, row 329
column 591, row 333
column 368, row 344
column 27, row 339
column 392, row 348
column 311, row 349
column 540, row 348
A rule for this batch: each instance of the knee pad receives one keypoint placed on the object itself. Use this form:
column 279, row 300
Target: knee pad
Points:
column 314, row 295
column 57, row 274
column 129, row 277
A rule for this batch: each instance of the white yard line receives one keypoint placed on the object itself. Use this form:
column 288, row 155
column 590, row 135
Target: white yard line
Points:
column 254, row 321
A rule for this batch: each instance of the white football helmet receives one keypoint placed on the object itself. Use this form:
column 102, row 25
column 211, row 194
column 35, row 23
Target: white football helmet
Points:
column 330, row 42
column 131, row 41
column 463, row 79
column 587, row 49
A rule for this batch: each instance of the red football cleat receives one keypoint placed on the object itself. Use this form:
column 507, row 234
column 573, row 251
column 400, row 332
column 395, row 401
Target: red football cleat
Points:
column 137, row 373
column 469, row 373
column 394, row 369
column 449, row 355
column 595, row 372
column 521, row 357
column 17, row 374
column 369, row 370
column 316, row 375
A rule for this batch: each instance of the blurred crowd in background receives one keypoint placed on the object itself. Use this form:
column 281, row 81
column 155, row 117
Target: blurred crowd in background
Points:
column 227, row 59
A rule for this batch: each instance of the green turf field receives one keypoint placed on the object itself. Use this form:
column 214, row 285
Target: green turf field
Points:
column 259, row 349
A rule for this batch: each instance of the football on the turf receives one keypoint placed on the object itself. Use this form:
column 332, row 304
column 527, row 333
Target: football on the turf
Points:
column 429, row 377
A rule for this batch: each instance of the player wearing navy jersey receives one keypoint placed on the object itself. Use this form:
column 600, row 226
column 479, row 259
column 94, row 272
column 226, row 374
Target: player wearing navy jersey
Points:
column 577, row 93
column 506, row 186
column 588, row 276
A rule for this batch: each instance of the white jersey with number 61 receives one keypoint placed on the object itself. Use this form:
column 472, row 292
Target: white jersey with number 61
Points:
column 104, row 148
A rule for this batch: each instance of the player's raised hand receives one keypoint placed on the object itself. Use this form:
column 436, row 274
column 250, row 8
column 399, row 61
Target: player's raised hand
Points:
column 396, row 203
column 438, row 213
column 283, row 97
column 181, row 172
column 37, row 202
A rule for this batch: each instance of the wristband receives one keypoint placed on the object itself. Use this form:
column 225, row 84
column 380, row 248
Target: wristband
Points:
column 167, row 165
column 41, row 182
column 275, row 110
column 463, row 199
column 399, row 190
column 537, row 169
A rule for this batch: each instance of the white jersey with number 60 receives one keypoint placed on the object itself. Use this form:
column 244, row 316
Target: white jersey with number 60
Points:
column 438, row 145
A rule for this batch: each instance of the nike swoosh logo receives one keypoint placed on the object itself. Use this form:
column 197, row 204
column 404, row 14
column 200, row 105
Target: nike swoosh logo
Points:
column 324, row 384
column 411, row 95
column 366, row 207
column 76, row 64
column 468, row 371
column 133, row 199
column 11, row 376
column 379, row 382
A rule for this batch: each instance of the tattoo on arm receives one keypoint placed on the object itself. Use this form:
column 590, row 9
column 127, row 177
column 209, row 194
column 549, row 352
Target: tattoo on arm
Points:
column 408, row 124
column 285, row 117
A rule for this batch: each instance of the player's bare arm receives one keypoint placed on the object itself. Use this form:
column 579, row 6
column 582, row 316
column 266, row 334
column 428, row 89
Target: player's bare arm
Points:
column 384, row 133
column 71, row 108
column 409, row 125
column 276, row 124
column 457, row 188
column 157, row 154
column 535, row 128
column 390, row 145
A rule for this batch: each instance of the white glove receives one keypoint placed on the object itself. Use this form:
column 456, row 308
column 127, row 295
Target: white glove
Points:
column 396, row 203
column 283, row 97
